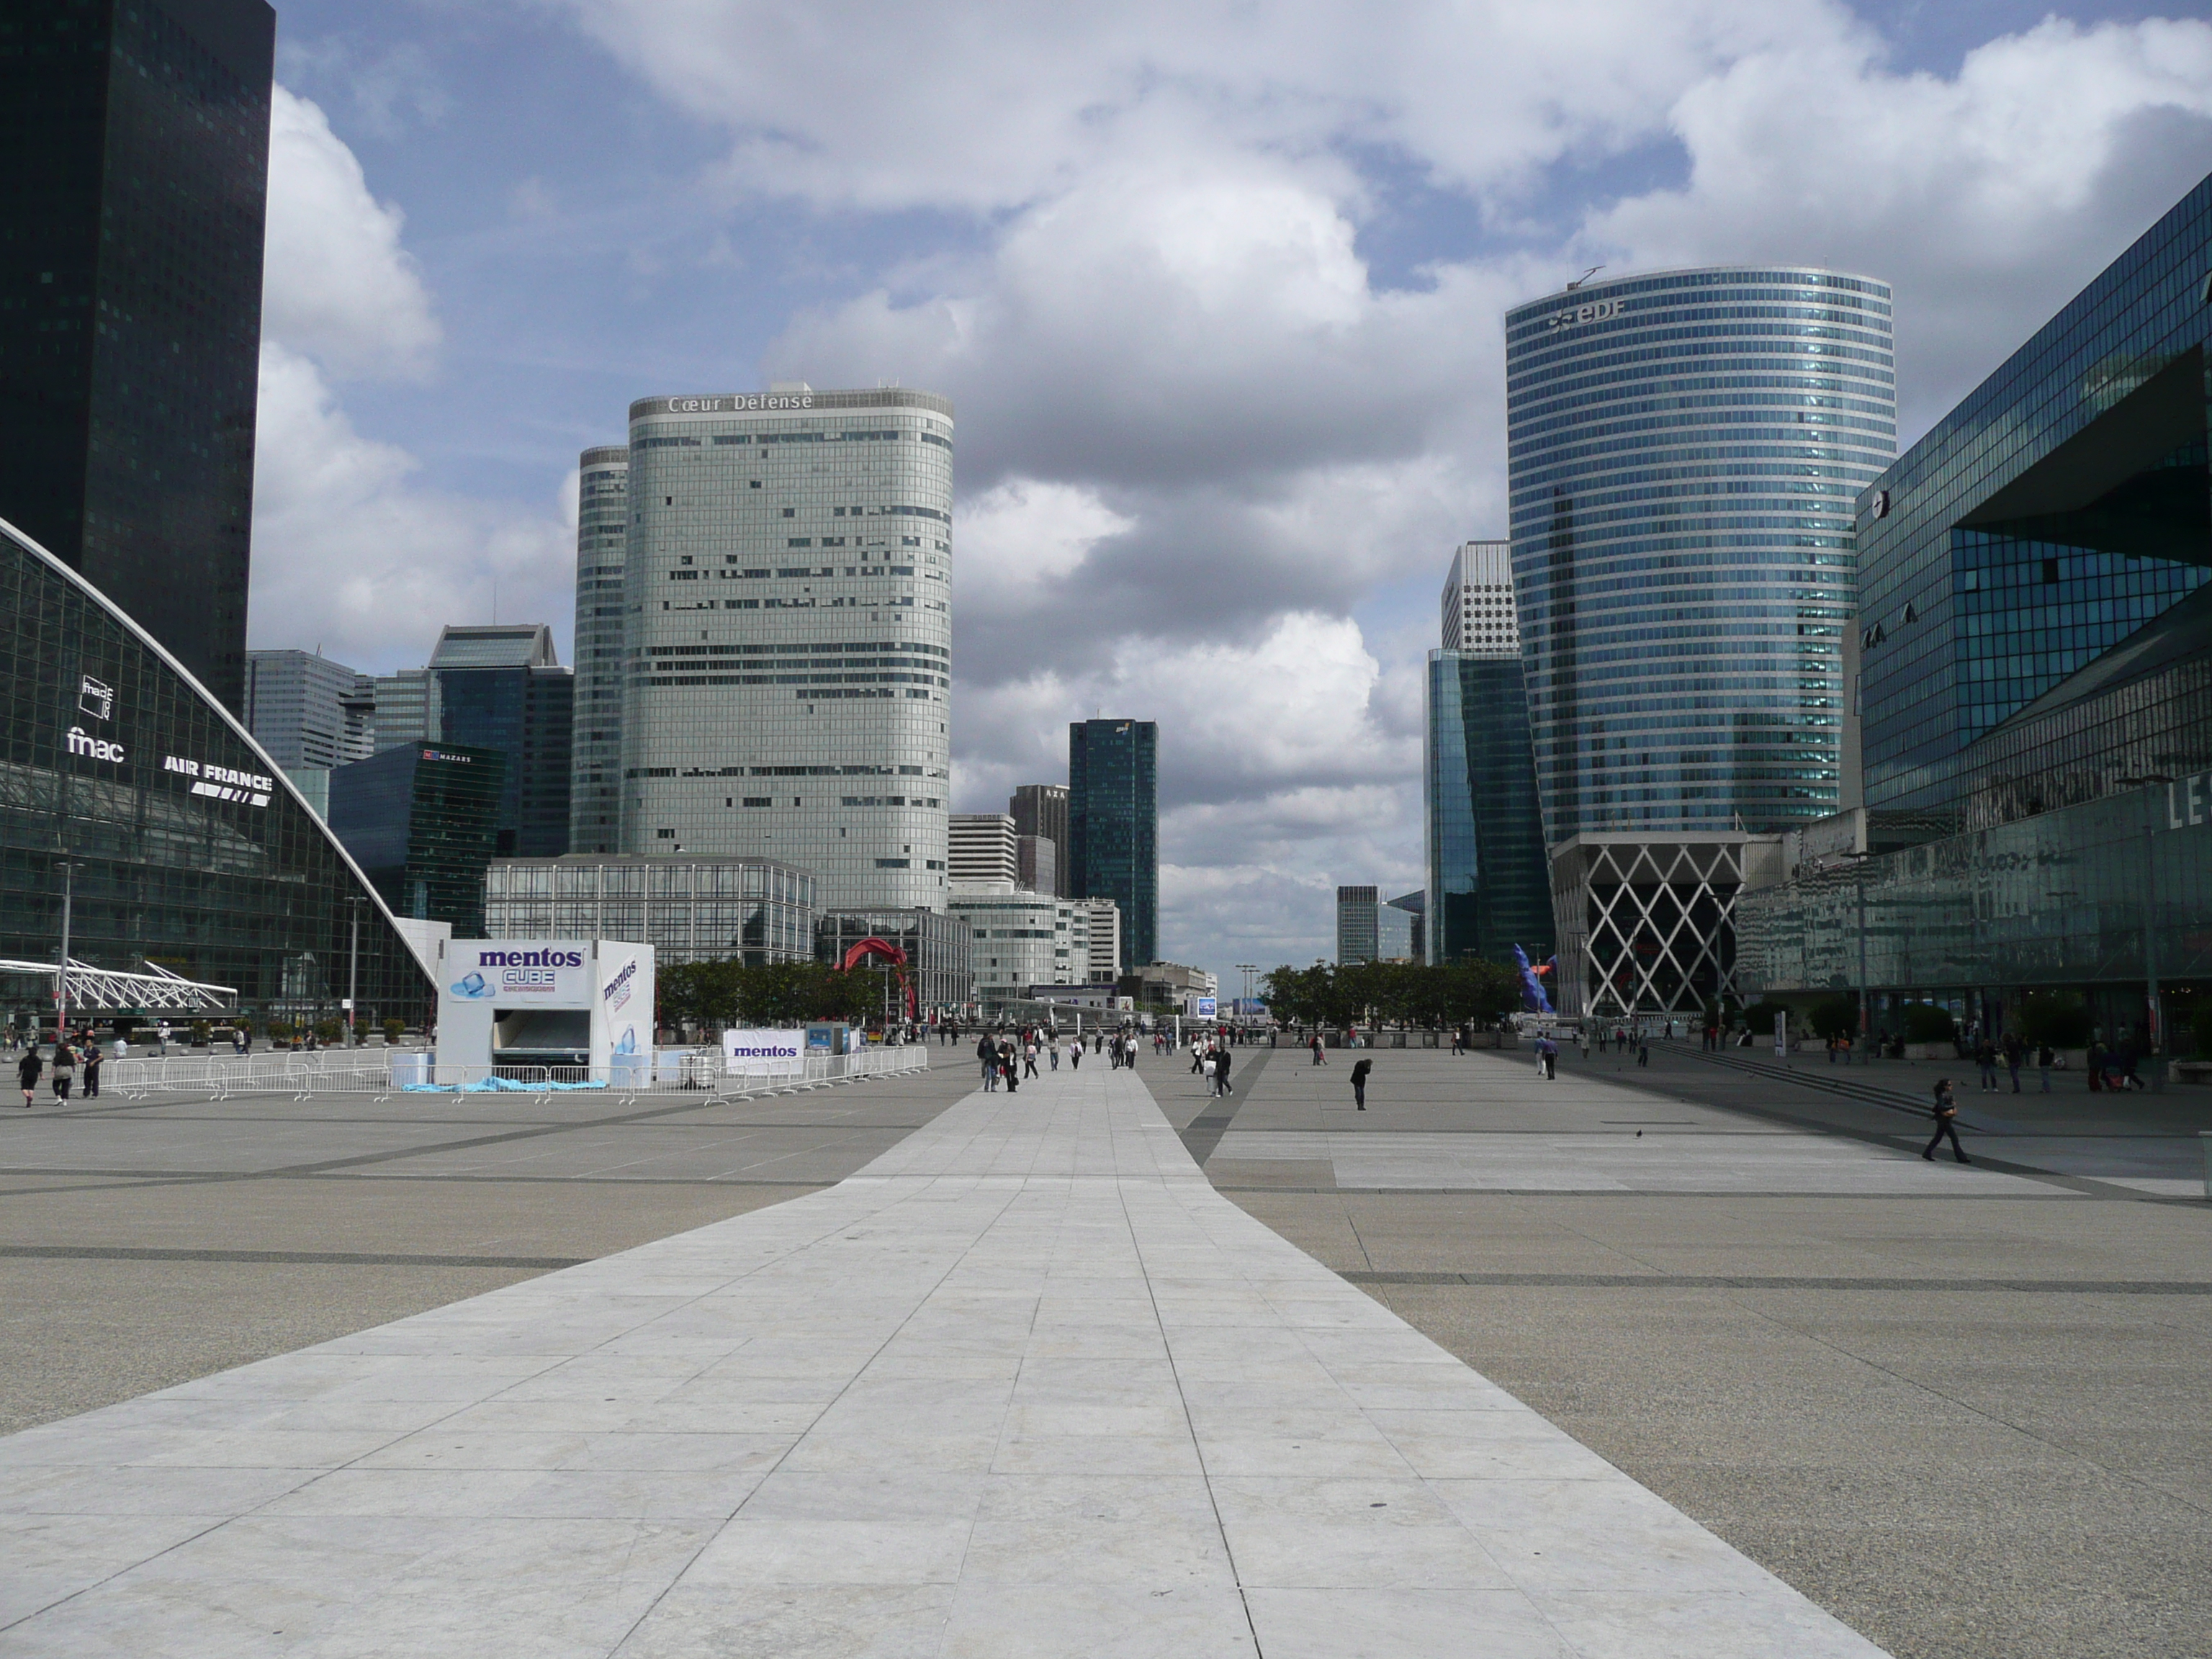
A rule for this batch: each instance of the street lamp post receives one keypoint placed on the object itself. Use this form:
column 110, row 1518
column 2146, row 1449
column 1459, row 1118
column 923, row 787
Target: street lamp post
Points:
column 61, row 976
column 2154, row 1021
column 353, row 969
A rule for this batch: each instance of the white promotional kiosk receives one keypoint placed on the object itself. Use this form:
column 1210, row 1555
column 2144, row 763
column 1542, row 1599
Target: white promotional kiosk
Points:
column 563, row 1003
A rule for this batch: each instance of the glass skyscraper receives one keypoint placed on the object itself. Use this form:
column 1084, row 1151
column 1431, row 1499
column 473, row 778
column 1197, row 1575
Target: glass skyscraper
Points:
column 136, row 134
column 423, row 823
column 1114, row 826
column 2035, row 701
column 1489, row 886
column 1684, row 451
column 602, row 538
column 789, row 640
column 500, row 687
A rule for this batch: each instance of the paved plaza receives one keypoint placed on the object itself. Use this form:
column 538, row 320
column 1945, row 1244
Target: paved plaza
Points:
column 900, row 1368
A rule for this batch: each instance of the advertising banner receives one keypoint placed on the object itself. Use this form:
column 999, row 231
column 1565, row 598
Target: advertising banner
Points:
column 772, row 1053
column 623, row 1016
column 517, row 972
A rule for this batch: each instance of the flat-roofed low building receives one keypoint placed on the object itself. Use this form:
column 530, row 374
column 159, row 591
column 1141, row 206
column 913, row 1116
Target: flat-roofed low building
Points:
column 758, row 911
column 936, row 944
column 1019, row 939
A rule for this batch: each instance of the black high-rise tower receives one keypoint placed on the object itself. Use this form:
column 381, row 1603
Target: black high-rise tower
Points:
column 135, row 139
column 1114, row 826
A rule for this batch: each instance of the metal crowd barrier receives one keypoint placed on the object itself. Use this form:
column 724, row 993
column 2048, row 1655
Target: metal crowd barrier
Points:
column 386, row 1072
column 277, row 1072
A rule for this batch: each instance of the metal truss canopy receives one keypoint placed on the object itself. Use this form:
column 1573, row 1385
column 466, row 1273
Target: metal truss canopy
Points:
column 157, row 988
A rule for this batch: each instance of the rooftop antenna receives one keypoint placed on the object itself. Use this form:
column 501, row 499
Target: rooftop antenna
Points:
column 1584, row 277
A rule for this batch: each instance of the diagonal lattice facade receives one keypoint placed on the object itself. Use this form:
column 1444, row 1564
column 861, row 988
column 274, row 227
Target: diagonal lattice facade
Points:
column 1647, row 923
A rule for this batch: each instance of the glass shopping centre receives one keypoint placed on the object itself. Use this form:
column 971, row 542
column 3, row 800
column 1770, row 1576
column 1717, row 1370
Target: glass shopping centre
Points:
column 127, row 790
column 2033, row 692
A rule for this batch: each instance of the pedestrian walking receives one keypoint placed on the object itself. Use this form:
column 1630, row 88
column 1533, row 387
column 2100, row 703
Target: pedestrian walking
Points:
column 92, row 1070
column 1359, row 1071
column 1075, row 1053
column 26, row 1072
column 1052, row 1048
column 2096, row 1066
column 987, row 1051
column 2044, row 1061
column 1946, row 1114
column 1547, row 1058
column 2015, row 1051
column 1221, row 1073
column 1317, row 1058
column 64, row 1069
column 1644, row 1047
column 1009, row 1068
column 1985, row 1056
column 1029, row 1058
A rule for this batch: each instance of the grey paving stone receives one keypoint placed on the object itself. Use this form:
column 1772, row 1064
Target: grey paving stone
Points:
column 1024, row 1384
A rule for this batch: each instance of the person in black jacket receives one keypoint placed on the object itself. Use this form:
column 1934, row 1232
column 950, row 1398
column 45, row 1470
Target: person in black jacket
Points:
column 1359, row 1071
column 26, row 1072
column 1221, row 1070
column 1946, row 1114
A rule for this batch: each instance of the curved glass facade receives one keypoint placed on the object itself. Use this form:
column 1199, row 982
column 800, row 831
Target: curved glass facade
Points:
column 1685, row 448
column 602, row 539
column 788, row 577
column 192, row 852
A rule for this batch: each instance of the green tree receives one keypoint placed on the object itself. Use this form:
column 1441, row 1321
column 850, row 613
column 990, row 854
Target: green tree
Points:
column 1833, row 1016
column 2060, row 1018
column 1926, row 1022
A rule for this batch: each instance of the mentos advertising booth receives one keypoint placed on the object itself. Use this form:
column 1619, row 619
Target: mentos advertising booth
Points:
column 577, row 1005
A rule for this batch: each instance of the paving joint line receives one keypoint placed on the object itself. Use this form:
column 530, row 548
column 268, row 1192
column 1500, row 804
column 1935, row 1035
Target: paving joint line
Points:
column 1778, row 1282
column 313, row 1258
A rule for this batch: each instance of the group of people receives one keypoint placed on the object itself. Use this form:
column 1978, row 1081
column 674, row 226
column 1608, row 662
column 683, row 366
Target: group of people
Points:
column 1011, row 1056
column 70, row 1054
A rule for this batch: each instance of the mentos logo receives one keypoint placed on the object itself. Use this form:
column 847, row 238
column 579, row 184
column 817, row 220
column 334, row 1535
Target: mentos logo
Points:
column 618, row 988
column 530, row 959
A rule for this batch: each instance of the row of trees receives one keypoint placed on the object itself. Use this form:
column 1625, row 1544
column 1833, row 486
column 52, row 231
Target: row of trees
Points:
column 729, row 992
column 1394, row 993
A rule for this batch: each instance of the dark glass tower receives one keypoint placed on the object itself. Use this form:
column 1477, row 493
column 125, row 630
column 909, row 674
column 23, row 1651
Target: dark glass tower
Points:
column 1489, row 886
column 136, row 134
column 500, row 687
column 421, row 822
column 1114, row 826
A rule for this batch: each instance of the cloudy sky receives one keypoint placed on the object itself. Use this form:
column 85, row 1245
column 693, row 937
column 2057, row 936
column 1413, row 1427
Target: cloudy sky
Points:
column 1216, row 288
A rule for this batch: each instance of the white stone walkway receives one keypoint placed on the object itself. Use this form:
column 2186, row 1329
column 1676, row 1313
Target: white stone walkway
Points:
column 1025, row 1386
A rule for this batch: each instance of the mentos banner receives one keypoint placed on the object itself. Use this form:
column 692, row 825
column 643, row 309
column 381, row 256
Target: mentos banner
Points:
column 507, row 971
column 756, row 1054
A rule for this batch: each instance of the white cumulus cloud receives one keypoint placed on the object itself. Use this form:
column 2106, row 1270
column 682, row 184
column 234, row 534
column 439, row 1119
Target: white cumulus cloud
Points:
column 338, row 285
